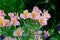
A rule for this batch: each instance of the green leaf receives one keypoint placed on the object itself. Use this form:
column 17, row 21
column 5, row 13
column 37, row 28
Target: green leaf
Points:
column 51, row 31
column 46, row 1
column 53, row 6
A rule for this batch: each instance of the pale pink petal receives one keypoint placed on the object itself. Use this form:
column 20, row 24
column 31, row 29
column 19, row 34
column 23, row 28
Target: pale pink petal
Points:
column 29, row 15
column 37, row 10
column 21, row 32
column 2, row 17
column 1, row 13
column 37, row 17
column 11, row 15
column 14, row 33
column 45, row 22
column 21, row 15
column 17, row 23
column 48, row 16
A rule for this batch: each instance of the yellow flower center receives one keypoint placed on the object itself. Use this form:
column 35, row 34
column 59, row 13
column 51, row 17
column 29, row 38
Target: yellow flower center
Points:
column 33, row 15
column 14, row 21
column 41, row 20
column 25, row 14
column 1, row 21
column 7, row 23
column 18, row 32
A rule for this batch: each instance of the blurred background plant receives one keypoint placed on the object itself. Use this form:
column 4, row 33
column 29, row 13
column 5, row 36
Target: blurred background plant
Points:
column 50, row 5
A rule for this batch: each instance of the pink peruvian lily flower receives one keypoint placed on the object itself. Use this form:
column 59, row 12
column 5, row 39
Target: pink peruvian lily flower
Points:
column 18, row 32
column 14, row 22
column 34, row 16
column 25, row 14
column 46, row 14
column 43, row 21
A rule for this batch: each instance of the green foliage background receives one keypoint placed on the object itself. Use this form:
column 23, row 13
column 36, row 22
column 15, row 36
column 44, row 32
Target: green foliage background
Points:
column 50, row 5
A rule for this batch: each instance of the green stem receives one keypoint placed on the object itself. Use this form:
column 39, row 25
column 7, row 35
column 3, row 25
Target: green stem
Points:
column 15, row 27
column 18, row 38
column 35, row 38
column 5, row 28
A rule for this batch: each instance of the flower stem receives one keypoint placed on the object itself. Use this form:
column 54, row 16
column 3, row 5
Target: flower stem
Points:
column 15, row 27
column 5, row 27
column 18, row 38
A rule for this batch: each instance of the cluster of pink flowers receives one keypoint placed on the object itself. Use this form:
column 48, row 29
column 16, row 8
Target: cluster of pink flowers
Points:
column 36, row 14
column 5, row 22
